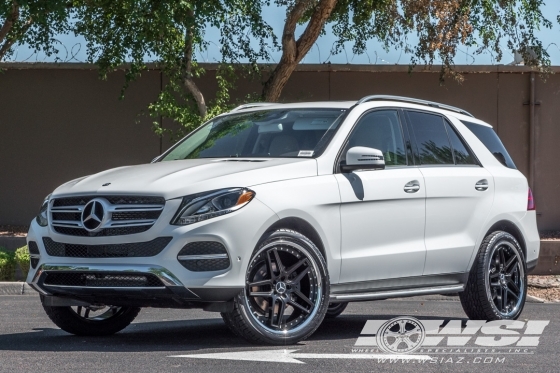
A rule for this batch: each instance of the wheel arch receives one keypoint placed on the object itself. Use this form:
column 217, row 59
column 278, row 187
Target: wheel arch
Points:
column 511, row 228
column 301, row 226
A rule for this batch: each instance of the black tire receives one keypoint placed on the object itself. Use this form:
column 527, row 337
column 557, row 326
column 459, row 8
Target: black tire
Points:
column 335, row 309
column 113, row 320
column 497, row 284
column 285, row 268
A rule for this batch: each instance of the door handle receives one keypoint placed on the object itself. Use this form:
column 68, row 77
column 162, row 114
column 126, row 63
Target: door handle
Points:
column 412, row 186
column 481, row 185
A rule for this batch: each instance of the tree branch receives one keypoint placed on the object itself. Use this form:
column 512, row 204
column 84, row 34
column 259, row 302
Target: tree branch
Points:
column 293, row 51
column 6, row 28
column 9, row 22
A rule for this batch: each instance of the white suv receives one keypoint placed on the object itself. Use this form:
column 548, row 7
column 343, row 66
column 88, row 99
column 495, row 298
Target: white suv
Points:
column 278, row 215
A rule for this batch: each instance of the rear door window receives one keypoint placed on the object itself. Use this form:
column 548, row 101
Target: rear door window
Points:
column 434, row 147
column 492, row 142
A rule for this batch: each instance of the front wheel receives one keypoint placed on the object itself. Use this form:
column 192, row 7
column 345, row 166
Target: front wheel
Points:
column 286, row 291
column 92, row 320
column 496, row 288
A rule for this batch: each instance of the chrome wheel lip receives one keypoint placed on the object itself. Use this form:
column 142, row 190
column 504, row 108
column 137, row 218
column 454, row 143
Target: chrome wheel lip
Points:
column 521, row 298
column 317, row 305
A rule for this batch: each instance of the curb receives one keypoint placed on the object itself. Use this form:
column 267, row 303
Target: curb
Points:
column 16, row 288
column 533, row 299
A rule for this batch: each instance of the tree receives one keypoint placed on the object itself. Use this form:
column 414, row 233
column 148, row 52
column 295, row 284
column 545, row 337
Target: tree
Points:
column 439, row 26
column 168, row 32
column 316, row 14
column 32, row 22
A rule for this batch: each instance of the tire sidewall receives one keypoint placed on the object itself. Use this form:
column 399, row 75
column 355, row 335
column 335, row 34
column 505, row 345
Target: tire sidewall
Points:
column 314, row 254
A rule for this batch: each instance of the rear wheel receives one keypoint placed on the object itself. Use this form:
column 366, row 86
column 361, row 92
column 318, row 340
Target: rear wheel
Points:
column 335, row 309
column 496, row 289
column 92, row 320
column 286, row 292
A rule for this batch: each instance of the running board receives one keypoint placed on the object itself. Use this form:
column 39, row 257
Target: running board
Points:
column 354, row 297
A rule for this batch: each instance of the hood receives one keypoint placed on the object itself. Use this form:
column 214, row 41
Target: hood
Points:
column 174, row 179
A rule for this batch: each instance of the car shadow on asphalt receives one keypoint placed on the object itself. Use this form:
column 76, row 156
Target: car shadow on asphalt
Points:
column 180, row 335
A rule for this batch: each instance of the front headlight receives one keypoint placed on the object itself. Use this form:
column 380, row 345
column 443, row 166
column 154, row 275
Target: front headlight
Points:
column 204, row 206
column 42, row 218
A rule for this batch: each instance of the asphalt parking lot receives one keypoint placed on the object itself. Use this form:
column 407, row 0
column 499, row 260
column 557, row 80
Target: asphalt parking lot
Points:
column 29, row 342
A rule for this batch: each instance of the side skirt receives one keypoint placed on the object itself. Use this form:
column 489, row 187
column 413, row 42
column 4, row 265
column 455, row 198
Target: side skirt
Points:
column 397, row 288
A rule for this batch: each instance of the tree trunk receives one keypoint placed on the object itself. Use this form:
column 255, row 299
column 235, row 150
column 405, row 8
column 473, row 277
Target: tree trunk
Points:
column 6, row 27
column 188, row 82
column 293, row 51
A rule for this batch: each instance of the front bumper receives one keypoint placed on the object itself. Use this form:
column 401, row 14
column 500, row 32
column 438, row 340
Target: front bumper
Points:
column 170, row 292
column 238, row 232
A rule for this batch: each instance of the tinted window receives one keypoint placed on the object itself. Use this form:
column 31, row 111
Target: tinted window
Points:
column 263, row 133
column 460, row 151
column 492, row 142
column 431, row 138
column 380, row 130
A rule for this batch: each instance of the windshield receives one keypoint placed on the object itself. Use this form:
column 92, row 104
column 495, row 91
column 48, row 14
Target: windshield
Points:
column 267, row 133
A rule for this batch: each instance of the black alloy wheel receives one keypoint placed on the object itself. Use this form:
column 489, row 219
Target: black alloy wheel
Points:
column 281, row 287
column 507, row 283
column 497, row 284
column 284, row 300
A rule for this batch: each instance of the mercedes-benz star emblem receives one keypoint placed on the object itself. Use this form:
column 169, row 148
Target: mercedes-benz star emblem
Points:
column 93, row 215
column 280, row 288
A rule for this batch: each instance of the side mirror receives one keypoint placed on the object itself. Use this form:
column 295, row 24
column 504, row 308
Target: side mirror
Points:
column 362, row 158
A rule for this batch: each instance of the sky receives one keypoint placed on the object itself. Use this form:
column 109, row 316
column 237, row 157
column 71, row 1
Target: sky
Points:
column 72, row 49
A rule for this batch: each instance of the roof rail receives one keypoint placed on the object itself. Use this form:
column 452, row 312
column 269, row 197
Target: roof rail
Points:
column 412, row 101
column 253, row 104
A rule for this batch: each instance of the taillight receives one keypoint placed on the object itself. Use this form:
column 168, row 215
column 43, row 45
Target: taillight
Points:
column 530, row 201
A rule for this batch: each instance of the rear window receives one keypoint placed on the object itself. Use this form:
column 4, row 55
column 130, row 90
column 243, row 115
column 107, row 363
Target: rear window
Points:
column 492, row 142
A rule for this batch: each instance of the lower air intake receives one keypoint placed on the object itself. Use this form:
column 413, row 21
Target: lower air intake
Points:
column 204, row 256
column 108, row 280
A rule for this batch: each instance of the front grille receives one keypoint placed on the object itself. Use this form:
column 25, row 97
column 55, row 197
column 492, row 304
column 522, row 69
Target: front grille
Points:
column 102, row 233
column 196, row 263
column 136, row 215
column 101, row 279
column 34, row 262
column 137, row 249
column 124, row 215
column 114, row 200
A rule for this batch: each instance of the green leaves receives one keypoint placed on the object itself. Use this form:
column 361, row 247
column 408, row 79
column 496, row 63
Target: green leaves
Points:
column 440, row 27
column 32, row 22
column 171, row 33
